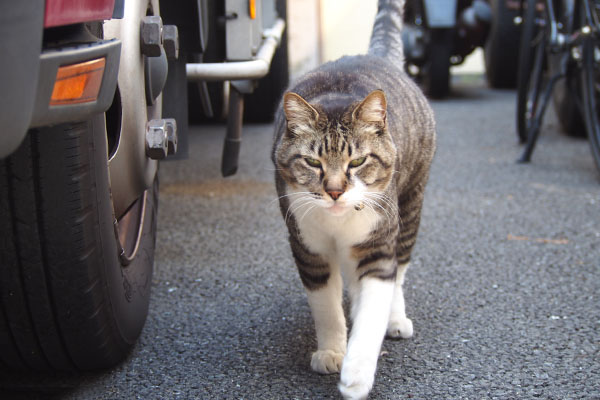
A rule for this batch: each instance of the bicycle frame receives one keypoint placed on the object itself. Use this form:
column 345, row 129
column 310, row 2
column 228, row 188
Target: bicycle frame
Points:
column 555, row 42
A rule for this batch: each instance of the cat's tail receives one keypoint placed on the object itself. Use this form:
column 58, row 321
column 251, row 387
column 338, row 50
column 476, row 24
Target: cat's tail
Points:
column 386, row 39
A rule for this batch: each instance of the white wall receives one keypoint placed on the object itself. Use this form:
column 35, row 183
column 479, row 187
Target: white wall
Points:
column 346, row 27
column 324, row 30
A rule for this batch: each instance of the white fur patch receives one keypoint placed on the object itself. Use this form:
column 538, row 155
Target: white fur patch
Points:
column 331, row 232
column 399, row 326
column 371, row 306
column 327, row 226
column 330, row 324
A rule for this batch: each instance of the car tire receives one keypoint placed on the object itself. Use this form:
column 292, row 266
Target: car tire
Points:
column 71, row 296
column 436, row 71
column 501, row 46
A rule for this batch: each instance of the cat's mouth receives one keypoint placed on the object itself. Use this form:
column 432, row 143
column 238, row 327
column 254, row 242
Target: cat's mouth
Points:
column 342, row 206
column 338, row 208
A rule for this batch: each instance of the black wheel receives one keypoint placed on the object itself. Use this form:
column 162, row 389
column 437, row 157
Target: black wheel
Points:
column 590, row 80
column 78, row 208
column 565, row 102
column 566, row 91
column 501, row 45
column 530, row 71
column 74, row 287
column 436, row 71
column 261, row 105
column 207, row 101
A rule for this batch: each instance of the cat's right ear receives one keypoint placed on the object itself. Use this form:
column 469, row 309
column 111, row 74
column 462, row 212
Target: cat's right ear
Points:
column 301, row 116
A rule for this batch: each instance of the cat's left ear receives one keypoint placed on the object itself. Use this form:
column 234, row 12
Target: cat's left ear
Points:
column 301, row 116
column 372, row 109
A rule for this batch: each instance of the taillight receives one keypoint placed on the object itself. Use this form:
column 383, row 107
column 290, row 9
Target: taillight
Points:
column 65, row 12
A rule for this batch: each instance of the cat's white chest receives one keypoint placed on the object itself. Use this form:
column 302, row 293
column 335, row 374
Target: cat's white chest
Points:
column 329, row 235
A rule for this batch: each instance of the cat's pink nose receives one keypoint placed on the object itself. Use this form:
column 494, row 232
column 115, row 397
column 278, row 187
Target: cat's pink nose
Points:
column 335, row 194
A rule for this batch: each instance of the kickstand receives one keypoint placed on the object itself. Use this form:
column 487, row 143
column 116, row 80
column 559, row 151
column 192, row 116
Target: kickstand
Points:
column 536, row 122
column 233, row 138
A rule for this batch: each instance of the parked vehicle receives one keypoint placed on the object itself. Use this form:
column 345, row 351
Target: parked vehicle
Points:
column 559, row 59
column 441, row 33
column 94, row 94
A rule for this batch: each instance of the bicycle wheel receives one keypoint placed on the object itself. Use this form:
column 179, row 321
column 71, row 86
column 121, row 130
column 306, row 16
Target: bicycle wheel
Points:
column 590, row 80
column 530, row 71
column 566, row 92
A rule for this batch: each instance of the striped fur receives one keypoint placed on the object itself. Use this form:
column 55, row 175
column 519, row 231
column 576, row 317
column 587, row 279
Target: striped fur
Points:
column 335, row 138
column 354, row 140
column 386, row 42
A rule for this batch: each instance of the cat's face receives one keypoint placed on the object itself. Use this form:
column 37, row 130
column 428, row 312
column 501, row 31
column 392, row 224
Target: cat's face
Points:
column 334, row 155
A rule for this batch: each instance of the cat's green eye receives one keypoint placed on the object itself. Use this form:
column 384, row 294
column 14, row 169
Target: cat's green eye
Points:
column 357, row 162
column 312, row 162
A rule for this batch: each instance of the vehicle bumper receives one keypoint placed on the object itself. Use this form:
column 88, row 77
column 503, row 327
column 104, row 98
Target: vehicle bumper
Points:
column 51, row 60
column 21, row 24
column 26, row 102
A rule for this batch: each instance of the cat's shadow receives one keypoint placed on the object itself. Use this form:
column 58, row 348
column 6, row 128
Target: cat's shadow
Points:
column 295, row 341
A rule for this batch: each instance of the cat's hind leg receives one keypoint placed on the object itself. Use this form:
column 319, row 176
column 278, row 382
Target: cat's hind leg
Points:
column 399, row 326
column 330, row 325
column 409, row 211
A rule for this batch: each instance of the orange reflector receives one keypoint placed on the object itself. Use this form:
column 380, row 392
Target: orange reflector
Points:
column 252, row 8
column 78, row 83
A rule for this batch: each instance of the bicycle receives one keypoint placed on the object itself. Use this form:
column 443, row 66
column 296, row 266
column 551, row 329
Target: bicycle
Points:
column 560, row 40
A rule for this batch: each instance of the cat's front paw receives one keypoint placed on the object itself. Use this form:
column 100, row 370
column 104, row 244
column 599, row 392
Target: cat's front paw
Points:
column 326, row 361
column 356, row 379
column 401, row 328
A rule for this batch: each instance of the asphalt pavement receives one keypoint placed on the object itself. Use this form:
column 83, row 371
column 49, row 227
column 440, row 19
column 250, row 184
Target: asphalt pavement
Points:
column 503, row 290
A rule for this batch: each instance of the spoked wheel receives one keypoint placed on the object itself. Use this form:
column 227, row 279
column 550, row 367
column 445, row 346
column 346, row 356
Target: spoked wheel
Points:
column 566, row 94
column 590, row 79
column 566, row 99
column 530, row 72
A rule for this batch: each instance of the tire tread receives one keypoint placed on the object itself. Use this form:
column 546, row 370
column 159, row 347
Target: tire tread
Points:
column 62, row 300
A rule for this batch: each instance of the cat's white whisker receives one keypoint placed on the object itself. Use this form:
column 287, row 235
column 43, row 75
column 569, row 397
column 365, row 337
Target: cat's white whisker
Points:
column 296, row 204
column 375, row 202
column 388, row 214
column 306, row 213
column 291, row 194
column 383, row 197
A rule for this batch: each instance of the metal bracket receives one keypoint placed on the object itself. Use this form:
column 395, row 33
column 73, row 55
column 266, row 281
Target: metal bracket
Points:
column 233, row 138
column 233, row 71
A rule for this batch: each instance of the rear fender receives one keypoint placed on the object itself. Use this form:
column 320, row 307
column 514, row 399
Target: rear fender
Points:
column 21, row 24
column 440, row 13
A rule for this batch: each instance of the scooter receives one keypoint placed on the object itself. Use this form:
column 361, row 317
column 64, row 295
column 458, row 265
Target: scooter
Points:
column 438, row 34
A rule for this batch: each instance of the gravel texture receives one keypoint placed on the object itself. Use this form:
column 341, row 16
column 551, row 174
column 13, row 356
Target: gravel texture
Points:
column 504, row 288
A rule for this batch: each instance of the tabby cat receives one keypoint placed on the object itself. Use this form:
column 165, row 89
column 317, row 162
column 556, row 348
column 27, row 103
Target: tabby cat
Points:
column 353, row 144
